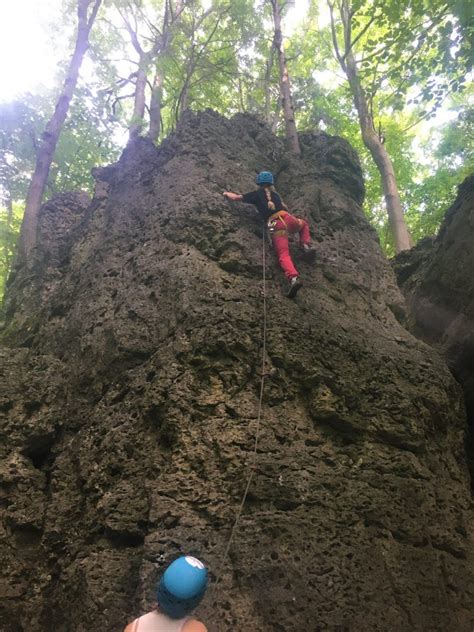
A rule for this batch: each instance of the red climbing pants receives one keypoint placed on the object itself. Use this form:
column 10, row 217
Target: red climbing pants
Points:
column 280, row 225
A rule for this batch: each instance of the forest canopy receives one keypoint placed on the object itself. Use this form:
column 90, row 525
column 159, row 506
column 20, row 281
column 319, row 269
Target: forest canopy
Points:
column 390, row 76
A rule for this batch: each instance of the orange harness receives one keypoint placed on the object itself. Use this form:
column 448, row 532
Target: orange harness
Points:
column 271, row 222
column 278, row 215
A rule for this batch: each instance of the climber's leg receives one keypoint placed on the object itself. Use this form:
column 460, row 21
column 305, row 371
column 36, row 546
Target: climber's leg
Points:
column 305, row 237
column 300, row 226
column 280, row 243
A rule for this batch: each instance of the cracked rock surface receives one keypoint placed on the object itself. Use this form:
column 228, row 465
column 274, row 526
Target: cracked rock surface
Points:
column 130, row 371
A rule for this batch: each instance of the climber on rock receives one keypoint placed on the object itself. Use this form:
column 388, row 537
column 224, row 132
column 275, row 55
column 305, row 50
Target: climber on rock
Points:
column 179, row 591
column 280, row 224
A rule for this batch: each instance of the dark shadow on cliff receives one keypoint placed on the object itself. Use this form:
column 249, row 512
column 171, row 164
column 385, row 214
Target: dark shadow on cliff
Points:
column 437, row 278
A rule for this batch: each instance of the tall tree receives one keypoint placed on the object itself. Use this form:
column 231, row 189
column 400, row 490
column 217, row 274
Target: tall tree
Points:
column 160, row 43
column 206, row 66
column 398, row 53
column 87, row 139
column 155, row 105
column 285, row 86
column 372, row 140
column 200, row 38
column 267, row 85
column 86, row 14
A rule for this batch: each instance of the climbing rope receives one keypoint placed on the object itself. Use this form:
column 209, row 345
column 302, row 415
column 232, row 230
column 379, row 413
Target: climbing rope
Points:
column 253, row 461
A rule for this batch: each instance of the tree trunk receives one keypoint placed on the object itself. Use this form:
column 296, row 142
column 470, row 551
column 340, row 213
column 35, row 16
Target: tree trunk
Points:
column 285, row 87
column 155, row 107
column 183, row 97
column 136, row 124
column 381, row 158
column 157, row 88
column 184, row 101
column 53, row 129
column 396, row 219
column 172, row 14
column 266, row 84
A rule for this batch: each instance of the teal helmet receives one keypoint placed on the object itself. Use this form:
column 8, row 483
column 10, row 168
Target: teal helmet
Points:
column 181, row 587
column 265, row 177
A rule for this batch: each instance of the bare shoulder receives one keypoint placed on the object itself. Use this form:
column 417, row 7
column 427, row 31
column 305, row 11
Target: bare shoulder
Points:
column 193, row 625
column 129, row 627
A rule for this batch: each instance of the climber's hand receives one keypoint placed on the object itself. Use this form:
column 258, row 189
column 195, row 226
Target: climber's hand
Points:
column 235, row 197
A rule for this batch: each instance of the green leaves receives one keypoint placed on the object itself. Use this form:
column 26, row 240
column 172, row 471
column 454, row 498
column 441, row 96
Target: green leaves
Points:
column 412, row 57
column 10, row 222
column 407, row 71
column 21, row 125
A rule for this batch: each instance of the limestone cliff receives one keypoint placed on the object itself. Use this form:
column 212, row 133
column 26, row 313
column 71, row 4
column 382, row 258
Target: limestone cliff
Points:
column 129, row 395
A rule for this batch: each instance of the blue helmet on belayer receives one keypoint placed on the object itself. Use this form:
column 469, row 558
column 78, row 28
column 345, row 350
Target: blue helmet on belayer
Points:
column 265, row 177
column 182, row 587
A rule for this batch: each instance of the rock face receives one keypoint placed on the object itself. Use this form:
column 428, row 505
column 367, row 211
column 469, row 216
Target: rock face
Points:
column 437, row 279
column 129, row 394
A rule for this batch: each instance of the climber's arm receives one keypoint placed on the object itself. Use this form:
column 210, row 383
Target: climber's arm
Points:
column 235, row 197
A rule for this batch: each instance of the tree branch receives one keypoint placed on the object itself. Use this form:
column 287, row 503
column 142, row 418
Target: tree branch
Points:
column 132, row 33
column 360, row 34
column 334, row 35
column 120, row 98
column 93, row 14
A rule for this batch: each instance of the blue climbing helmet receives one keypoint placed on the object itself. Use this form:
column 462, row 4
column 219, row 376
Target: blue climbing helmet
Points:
column 181, row 587
column 265, row 177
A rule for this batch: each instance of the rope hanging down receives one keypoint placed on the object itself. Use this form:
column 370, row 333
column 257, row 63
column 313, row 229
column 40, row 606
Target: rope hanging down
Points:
column 259, row 415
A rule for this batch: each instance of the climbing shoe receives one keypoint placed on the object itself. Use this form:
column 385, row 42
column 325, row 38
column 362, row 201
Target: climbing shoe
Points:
column 295, row 284
column 309, row 252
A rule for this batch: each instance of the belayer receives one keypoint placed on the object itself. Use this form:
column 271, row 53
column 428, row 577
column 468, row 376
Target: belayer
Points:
column 280, row 224
column 179, row 591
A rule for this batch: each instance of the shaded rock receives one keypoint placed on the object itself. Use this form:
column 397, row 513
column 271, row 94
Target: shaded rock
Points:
column 28, row 291
column 358, row 515
column 437, row 278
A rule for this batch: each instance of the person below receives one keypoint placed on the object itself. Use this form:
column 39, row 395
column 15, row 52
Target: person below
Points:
column 178, row 593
